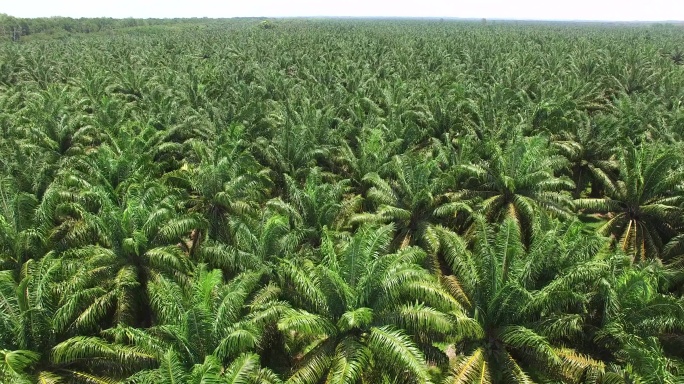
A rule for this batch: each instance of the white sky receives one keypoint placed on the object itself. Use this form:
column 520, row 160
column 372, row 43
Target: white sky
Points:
column 618, row 10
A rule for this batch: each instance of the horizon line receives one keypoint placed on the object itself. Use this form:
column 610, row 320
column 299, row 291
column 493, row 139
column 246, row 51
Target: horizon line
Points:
column 355, row 17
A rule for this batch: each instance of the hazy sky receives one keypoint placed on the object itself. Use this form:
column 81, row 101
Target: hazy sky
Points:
column 620, row 10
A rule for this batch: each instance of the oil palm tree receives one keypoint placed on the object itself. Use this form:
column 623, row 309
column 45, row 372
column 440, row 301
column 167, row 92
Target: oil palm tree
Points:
column 34, row 347
column 19, row 239
column 366, row 153
column 211, row 317
column 201, row 327
column 56, row 131
column 26, row 331
column 519, row 181
column 290, row 149
column 317, row 204
column 513, row 301
column 258, row 242
column 642, row 204
column 641, row 325
column 137, row 240
column 589, row 149
column 223, row 181
column 415, row 194
column 360, row 313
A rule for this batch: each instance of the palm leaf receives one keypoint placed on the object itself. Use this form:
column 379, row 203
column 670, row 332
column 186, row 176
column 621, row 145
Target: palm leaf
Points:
column 351, row 360
column 470, row 369
column 394, row 348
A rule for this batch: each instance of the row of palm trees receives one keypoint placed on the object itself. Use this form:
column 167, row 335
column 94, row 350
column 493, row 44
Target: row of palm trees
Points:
column 343, row 202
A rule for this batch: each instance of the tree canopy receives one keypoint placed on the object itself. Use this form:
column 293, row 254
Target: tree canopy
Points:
column 340, row 201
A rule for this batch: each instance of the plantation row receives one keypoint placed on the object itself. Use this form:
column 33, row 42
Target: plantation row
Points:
column 336, row 201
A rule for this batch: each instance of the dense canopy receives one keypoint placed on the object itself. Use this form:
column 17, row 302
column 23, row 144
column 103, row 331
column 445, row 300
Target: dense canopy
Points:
column 341, row 201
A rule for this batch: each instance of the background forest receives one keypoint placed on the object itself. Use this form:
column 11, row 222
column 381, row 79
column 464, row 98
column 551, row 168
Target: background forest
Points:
column 343, row 201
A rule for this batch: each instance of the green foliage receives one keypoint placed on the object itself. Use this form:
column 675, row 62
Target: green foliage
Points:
column 642, row 202
column 340, row 201
column 350, row 302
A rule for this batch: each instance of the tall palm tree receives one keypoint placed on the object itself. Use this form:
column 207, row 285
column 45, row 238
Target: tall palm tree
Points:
column 362, row 313
column 365, row 153
column 519, row 317
column 415, row 194
column 35, row 349
column 642, row 204
column 641, row 327
column 19, row 239
column 589, row 149
column 314, row 206
column 211, row 317
column 137, row 240
column 223, row 181
column 519, row 181
column 53, row 133
column 258, row 243
column 26, row 331
column 290, row 149
column 638, row 324
column 200, row 327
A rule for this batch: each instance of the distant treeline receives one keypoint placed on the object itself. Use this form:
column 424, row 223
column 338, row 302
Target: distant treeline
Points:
column 14, row 28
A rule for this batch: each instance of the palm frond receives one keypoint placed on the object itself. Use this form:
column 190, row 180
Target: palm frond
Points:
column 394, row 348
column 470, row 369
